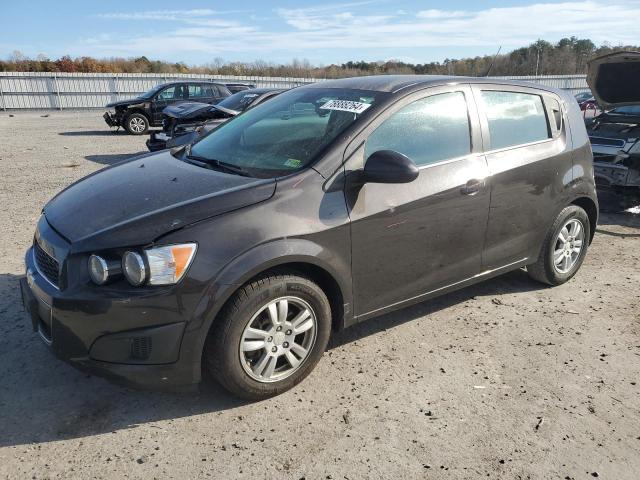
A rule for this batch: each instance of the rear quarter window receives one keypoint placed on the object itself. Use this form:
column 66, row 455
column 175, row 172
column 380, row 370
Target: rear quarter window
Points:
column 514, row 118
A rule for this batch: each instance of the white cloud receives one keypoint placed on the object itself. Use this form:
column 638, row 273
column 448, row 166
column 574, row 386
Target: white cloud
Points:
column 167, row 15
column 358, row 28
column 433, row 14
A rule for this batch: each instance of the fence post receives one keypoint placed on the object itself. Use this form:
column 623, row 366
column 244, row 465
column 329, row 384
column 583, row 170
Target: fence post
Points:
column 4, row 104
column 57, row 87
column 116, row 87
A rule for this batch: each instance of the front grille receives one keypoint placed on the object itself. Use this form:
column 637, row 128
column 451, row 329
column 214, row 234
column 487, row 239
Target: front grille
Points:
column 604, row 158
column 47, row 265
column 608, row 142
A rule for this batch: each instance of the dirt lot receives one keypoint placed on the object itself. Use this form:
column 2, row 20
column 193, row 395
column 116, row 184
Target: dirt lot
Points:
column 506, row 379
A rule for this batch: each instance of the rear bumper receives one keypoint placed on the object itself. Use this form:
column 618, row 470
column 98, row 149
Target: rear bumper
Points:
column 153, row 354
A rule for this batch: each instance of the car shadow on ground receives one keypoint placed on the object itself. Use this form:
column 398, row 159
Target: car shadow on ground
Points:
column 516, row 281
column 43, row 399
column 92, row 133
column 112, row 158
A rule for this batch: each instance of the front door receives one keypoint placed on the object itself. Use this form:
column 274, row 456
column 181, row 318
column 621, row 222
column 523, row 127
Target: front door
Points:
column 167, row 96
column 411, row 239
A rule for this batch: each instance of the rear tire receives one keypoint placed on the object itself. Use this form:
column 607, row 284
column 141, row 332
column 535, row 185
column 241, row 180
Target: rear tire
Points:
column 258, row 326
column 136, row 124
column 559, row 261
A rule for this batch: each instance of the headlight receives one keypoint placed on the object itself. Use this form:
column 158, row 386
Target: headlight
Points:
column 102, row 270
column 159, row 266
column 98, row 270
column 134, row 268
column 168, row 264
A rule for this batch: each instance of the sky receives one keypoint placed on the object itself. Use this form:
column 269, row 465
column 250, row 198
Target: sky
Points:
column 323, row 32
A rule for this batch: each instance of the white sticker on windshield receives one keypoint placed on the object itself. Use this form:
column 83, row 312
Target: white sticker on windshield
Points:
column 345, row 106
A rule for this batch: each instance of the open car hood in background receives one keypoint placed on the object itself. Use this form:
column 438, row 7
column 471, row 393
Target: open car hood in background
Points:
column 614, row 79
column 186, row 109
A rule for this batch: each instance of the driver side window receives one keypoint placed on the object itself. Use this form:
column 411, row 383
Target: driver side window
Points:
column 167, row 93
column 428, row 130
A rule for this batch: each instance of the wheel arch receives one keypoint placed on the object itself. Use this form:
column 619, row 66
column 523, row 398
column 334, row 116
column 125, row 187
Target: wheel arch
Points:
column 139, row 110
column 309, row 260
column 589, row 206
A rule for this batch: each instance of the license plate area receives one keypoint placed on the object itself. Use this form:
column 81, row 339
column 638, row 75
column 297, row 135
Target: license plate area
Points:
column 44, row 322
column 39, row 311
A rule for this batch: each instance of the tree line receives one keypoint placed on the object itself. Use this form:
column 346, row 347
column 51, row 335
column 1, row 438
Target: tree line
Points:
column 568, row 56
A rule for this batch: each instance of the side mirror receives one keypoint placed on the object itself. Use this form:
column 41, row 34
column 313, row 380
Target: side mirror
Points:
column 387, row 166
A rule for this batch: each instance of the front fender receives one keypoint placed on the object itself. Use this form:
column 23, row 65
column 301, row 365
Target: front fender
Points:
column 264, row 257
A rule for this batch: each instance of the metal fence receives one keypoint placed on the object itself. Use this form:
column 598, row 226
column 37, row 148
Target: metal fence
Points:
column 29, row 90
column 573, row 83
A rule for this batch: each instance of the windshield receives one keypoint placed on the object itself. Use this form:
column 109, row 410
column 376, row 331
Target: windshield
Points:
column 152, row 92
column 628, row 110
column 239, row 101
column 286, row 133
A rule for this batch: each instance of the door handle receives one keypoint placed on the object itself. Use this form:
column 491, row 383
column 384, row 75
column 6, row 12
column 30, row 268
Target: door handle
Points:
column 472, row 187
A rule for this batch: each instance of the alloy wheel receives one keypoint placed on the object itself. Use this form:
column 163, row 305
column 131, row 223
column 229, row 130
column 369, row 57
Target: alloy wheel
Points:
column 278, row 339
column 568, row 246
column 137, row 124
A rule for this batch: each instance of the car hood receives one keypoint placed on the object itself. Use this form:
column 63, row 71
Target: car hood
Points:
column 186, row 109
column 125, row 103
column 135, row 202
column 614, row 79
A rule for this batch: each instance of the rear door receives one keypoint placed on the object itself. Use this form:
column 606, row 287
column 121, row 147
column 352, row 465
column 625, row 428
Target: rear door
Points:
column 411, row 239
column 529, row 157
column 201, row 92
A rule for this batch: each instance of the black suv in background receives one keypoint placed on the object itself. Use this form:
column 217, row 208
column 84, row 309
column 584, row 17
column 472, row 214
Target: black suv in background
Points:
column 189, row 121
column 136, row 115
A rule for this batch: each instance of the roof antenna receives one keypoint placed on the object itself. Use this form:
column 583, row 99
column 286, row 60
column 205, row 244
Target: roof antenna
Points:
column 493, row 60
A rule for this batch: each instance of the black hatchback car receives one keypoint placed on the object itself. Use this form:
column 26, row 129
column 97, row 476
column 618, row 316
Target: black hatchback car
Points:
column 136, row 115
column 321, row 208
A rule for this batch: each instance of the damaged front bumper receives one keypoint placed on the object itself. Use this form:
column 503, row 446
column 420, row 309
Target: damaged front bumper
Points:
column 111, row 119
column 616, row 167
column 619, row 170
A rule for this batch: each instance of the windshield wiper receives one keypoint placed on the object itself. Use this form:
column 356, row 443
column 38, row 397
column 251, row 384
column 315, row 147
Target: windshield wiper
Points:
column 212, row 162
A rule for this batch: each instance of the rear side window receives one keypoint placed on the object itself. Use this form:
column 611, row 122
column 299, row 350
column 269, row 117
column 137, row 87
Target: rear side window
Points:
column 514, row 118
column 427, row 131
column 197, row 91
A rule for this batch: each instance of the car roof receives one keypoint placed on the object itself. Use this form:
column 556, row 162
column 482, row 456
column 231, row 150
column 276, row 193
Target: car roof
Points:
column 180, row 82
column 396, row 83
column 260, row 91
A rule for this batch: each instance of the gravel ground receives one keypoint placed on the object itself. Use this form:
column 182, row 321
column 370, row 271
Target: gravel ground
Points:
column 506, row 379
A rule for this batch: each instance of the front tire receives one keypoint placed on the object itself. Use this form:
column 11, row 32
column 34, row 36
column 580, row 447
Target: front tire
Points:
column 269, row 336
column 564, row 248
column 136, row 124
